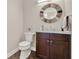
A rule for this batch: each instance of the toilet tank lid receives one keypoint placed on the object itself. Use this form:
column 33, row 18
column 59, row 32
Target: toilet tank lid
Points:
column 24, row 43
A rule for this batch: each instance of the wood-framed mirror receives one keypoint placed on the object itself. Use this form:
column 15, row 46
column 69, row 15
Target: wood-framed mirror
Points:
column 50, row 13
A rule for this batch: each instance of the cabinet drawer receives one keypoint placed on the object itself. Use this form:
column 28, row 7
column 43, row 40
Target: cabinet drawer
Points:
column 42, row 35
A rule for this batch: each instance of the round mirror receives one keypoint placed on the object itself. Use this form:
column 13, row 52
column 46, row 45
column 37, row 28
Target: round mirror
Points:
column 50, row 13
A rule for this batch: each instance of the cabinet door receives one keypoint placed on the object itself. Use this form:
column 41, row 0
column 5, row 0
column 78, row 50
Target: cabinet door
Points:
column 60, row 50
column 42, row 48
column 60, row 47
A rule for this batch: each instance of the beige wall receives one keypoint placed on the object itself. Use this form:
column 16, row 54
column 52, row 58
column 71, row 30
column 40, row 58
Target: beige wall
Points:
column 32, row 18
column 68, row 7
column 14, row 23
column 28, row 12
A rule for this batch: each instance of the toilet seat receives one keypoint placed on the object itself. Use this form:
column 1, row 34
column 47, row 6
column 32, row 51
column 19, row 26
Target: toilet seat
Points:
column 24, row 45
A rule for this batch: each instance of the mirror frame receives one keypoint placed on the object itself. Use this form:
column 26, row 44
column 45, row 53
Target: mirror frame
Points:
column 51, row 5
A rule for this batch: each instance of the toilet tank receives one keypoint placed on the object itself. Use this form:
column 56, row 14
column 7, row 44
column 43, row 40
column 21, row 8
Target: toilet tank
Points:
column 29, row 36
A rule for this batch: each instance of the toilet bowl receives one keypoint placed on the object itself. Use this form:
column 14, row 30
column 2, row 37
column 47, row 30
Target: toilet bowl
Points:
column 25, row 46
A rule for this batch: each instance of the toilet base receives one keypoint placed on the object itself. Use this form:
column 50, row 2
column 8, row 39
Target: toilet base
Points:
column 25, row 54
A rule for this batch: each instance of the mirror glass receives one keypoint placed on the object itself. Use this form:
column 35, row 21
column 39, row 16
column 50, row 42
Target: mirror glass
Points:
column 50, row 13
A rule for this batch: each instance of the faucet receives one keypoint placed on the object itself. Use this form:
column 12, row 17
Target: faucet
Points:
column 42, row 27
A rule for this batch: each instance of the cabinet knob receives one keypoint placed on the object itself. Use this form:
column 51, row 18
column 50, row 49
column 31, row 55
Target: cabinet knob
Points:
column 48, row 41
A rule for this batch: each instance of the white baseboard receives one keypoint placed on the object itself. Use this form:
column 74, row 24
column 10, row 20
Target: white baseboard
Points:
column 16, row 50
column 12, row 52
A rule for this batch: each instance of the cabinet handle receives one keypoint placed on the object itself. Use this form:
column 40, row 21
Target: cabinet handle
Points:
column 51, row 42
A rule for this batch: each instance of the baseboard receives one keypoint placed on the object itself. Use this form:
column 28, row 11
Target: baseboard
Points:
column 16, row 50
column 12, row 52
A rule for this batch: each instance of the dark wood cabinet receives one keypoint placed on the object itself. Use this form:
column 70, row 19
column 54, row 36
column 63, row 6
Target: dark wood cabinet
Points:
column 53, row 46
column 42, row 46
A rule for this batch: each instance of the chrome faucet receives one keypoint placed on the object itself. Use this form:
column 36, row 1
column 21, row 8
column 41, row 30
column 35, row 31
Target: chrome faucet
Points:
column 42, row 27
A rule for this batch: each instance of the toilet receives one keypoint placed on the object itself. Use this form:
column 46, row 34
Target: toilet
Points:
column 25, row 46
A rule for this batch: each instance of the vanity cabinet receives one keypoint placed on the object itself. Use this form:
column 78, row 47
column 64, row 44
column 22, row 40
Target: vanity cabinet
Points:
column 53, row 45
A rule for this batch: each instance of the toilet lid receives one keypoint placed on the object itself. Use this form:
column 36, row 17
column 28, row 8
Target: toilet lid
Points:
column 24, row 43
